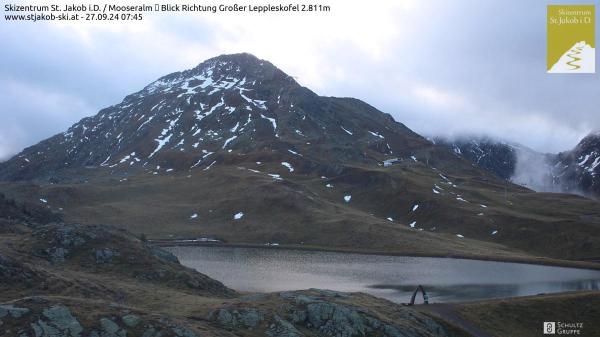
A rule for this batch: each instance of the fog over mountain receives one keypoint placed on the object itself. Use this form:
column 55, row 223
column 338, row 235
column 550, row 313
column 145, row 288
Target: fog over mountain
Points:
column 576, row 171
column 534, row 170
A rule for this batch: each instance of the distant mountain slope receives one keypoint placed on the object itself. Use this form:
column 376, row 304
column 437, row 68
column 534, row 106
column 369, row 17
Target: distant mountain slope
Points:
column 235, row 150
column 497, row 157
column 579, row 169
column 575, row 171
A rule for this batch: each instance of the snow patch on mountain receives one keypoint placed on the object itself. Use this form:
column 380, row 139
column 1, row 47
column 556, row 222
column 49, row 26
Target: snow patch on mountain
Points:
column 346, row 130
column 288, row 165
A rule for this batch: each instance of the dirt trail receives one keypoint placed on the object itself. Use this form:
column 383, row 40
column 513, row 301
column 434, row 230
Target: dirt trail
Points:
column 447, row 312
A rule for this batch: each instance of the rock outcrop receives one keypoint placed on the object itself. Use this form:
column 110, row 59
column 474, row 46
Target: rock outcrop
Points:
column 321, row 313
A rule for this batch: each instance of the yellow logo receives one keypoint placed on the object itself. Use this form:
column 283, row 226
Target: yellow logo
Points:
column 571, row 39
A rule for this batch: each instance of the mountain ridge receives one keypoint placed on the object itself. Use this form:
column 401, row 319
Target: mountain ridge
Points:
column 573, row 171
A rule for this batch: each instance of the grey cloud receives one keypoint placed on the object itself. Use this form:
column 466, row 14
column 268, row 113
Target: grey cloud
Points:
column 533, row 170
column 489, row 54
column 51, row 79
column 494, row 55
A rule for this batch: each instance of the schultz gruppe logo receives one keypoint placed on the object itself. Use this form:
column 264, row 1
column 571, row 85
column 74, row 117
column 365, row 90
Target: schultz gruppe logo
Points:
column 571, row 46
column 563, row 328
column 549, row 328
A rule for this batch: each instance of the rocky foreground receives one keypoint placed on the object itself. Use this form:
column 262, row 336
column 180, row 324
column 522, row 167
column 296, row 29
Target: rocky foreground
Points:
column 302, row 313
column 74, row 280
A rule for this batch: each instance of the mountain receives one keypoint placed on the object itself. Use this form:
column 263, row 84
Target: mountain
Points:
column 497, row 157
column 225, row 108
column 575, row 171
column 235, row 150
column 578, row 170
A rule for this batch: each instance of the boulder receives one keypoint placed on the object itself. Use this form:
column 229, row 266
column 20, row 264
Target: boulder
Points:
column 57, row 321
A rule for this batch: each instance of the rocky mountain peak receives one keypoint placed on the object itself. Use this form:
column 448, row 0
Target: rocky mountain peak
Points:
column 586, row 155
column 220, row 73
column 229, row 107
column 591, row 140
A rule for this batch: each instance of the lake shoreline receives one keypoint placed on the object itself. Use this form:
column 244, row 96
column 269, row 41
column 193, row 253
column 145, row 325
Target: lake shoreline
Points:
column 542, row 261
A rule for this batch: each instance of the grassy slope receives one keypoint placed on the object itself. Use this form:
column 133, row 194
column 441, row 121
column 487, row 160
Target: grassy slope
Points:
column 302, row 211
column 524, row 317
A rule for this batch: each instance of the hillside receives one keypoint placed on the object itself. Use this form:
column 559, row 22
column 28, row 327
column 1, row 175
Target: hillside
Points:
column 66, row 280
column 497, row 157
column 236, row 150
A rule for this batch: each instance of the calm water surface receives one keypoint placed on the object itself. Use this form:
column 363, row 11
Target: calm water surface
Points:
column 391, row 277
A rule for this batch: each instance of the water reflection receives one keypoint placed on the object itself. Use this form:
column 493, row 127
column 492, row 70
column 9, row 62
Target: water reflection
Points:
column 469, row 292
column 391, row 277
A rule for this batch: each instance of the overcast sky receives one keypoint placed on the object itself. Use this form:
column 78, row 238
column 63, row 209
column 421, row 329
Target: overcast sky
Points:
column 440, row 67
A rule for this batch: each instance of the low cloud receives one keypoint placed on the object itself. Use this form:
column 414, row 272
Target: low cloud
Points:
column 535, row 171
